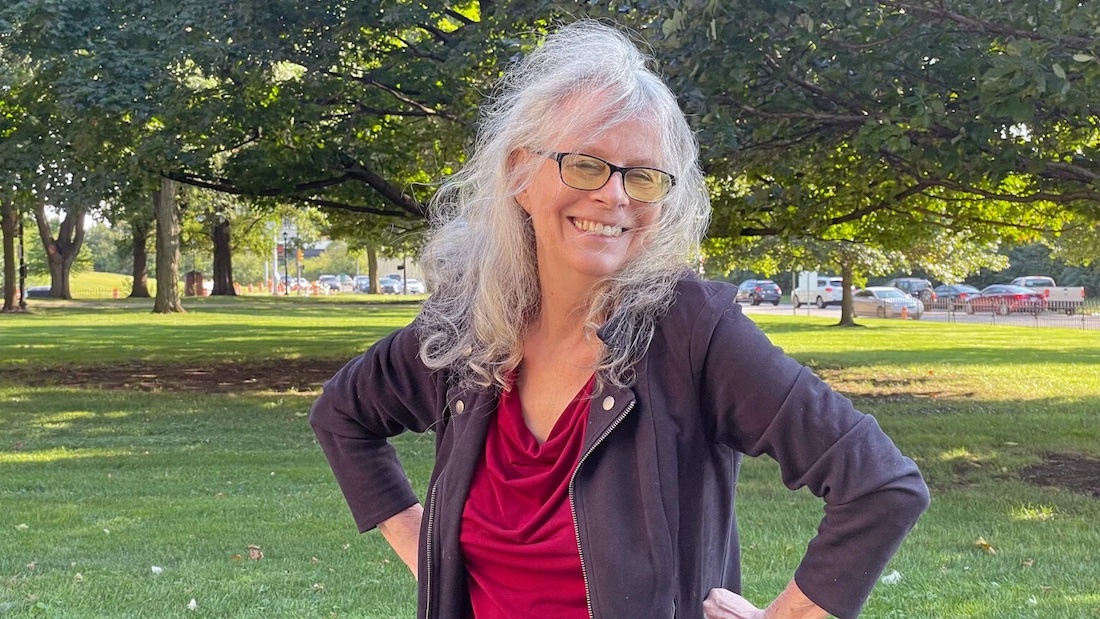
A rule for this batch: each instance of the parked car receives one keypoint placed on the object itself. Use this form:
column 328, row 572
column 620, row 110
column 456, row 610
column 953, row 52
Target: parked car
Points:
column 362, row 283
column 757, row 291
column 414, row 286
column 1068, row 299
column 821, row 290
column 1005, row 299
column 389, row 285
column 914, row 287
column 331, row 282
column 39, row 292
column 886, row 302
column 953, row 296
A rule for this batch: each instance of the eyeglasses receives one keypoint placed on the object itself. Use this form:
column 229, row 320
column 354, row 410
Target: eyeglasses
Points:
column 589, row 173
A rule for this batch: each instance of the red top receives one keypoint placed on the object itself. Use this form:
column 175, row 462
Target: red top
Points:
column 517, row 536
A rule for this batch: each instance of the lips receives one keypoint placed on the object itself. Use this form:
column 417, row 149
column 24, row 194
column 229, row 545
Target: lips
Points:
column 594, row 227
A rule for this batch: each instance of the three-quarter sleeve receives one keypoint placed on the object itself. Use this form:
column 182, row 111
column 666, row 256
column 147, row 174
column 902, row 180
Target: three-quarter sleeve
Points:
column 378, row 395
column 760, row 401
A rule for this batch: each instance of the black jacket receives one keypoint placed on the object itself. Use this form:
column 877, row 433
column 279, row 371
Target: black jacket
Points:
column 653, row 494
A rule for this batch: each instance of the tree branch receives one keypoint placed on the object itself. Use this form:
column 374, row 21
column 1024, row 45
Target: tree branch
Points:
column 832, row 119
column 941, row 12
column 858, row 47
column 226, row 186
column 441, row 36
column 388, row 191
column 979, row 220
column 459, row 16
column 392, row 90
column 851, row 216
column 355, row 208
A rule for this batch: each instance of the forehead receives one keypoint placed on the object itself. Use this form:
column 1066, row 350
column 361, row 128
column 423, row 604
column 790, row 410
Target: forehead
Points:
column 594, row 118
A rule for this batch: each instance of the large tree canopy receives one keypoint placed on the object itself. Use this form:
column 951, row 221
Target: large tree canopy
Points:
column 965, row 114
column 889, row 124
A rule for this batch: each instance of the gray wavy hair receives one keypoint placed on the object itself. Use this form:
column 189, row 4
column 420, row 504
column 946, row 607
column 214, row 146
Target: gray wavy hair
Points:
column 480, row 260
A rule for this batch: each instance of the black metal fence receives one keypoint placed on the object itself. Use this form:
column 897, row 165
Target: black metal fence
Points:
column 1067, row 315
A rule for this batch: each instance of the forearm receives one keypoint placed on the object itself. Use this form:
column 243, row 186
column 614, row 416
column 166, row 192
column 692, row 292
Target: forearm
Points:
column 402, row 532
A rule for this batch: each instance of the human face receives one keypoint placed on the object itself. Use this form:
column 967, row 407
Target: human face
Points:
column 582, row 236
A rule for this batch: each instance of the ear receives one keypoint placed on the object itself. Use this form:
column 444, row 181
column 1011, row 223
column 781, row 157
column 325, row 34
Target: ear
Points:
column 518, row 160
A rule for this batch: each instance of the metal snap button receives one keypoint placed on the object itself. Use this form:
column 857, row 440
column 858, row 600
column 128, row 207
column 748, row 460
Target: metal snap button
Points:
column 608, row 403
column 459, row 406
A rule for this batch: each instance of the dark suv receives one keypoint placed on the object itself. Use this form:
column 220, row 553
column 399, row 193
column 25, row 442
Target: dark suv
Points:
column 915, row 287
column 757, row 291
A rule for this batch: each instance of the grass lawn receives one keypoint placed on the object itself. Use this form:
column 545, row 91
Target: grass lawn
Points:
column 135, row 499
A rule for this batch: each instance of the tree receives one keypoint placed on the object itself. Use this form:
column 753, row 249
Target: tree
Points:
column 976, row 118
column 168, row 255
column 19, row 147
column 9, row 224
column 351, row 105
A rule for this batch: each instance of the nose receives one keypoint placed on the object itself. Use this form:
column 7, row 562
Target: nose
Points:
column 613, row 192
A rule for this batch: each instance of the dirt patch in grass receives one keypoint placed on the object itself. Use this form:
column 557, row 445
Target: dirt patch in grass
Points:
column 1072, row 472
column 1076, row 473
column 280, row 375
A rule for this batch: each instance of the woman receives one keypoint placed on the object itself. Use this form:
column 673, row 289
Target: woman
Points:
column 591, row 399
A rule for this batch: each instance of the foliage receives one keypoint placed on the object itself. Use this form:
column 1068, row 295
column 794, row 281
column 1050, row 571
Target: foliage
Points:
column 108, row 248
column 1038, row 259
column 334, row 260
column 886, row 122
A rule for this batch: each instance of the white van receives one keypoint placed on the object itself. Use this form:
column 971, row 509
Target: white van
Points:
column 821, row 290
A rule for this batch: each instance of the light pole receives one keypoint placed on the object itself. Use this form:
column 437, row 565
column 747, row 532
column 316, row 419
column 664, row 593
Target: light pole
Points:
column 22, row 269
column 286, row 269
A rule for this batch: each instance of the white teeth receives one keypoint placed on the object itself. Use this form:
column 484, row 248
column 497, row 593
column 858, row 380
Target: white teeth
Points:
column 597, row 228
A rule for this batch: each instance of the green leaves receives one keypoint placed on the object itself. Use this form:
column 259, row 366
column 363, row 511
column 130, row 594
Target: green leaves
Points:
column 844, row 120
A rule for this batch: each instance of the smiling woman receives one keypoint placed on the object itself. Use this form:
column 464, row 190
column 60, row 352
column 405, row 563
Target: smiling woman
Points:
column 592, row 400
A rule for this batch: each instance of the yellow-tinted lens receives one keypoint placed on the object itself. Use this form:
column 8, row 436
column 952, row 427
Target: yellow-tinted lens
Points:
column 647, row 184
column 583, row 172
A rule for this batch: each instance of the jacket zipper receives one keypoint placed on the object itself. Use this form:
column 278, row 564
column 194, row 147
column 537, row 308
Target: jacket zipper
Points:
column 573, row 504
column 428, row 550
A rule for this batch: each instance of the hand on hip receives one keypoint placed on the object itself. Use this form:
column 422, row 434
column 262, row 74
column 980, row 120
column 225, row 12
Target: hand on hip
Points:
column 725, row 604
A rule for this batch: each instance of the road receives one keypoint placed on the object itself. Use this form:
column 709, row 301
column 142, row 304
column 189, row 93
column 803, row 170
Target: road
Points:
column 1046, row 319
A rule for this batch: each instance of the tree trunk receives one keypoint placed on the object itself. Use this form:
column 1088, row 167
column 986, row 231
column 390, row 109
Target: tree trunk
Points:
column 223, row 258
column 167, row 215
column 372, row 268
column 847, row 316
column 62, row 251
column 140, row 287
column 9, row 224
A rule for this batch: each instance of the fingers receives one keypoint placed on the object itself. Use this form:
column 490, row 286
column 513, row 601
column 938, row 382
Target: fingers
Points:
column 725, row 604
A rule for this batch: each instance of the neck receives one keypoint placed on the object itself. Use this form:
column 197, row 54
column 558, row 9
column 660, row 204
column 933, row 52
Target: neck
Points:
column 559, row 327
column 564, row 301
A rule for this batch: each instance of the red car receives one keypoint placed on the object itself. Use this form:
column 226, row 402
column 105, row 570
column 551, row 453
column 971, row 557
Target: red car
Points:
column 1005, row 299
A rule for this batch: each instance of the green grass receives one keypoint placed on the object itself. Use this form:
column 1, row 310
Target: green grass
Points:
column 99, row 486
column 95, row 285
column 229, row 328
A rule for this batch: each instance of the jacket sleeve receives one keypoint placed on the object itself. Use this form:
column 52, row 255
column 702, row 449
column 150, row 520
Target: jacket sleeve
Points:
column 380, row 394
column 763, row 402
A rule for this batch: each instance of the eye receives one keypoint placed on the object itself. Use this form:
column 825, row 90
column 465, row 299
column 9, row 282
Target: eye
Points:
column 586, row 166
column 646, row 177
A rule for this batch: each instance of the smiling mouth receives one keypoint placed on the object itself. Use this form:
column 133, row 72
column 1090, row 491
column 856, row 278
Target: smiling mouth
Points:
column 592, row 227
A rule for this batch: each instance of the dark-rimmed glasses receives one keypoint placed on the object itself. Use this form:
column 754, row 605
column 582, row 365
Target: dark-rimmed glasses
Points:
column 589, row 173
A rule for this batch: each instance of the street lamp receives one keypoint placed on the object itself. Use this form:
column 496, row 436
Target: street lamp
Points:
column 286, row 269
column 22, row 268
